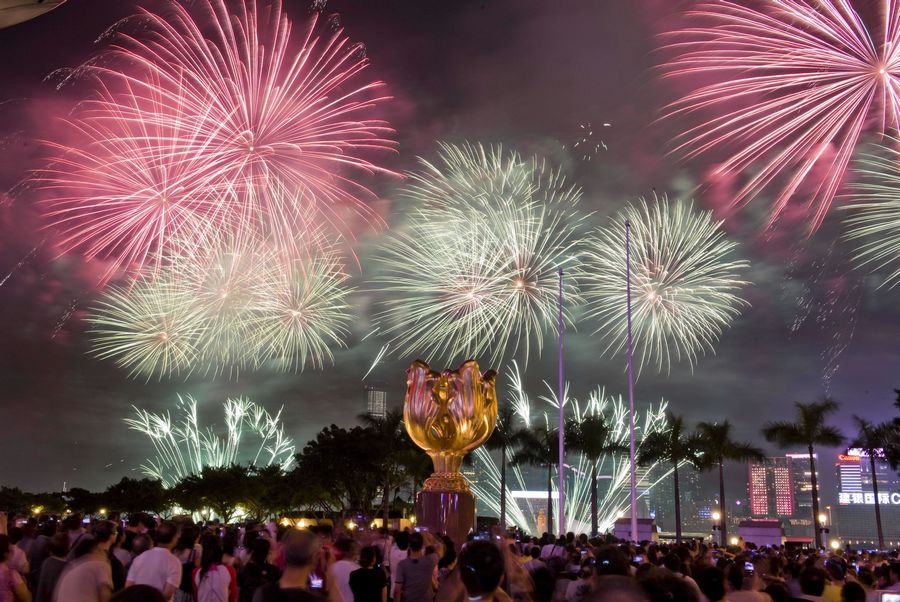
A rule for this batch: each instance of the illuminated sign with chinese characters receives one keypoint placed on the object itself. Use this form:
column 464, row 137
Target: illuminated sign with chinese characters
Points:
column 857, row 498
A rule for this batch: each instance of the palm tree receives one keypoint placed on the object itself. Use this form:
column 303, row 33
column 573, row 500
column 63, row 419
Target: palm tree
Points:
column 591, row 437
column 390, row 438
column 718, row 447
column 672, row 446
column 503, row 439
column 873, row 439
column 538, row 447
column 809, row 430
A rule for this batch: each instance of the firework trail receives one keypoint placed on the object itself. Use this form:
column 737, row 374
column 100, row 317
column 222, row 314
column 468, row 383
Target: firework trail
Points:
column 684, row 283
column 613, row 469
column 21, row 262
column 475, row 271
column 797, row 84
column 184, row 448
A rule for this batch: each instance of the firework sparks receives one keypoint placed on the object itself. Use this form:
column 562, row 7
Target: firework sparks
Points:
column 213, row 122
column 684, row 286
column 589, row 140
column 873, row 223
column 613, row 469
column 476, row 270
column 225, row 307
column 153, row 327
column 184, row 448
column 798, row 83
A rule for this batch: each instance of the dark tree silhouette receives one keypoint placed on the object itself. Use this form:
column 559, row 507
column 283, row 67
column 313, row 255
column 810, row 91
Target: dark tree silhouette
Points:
column 503, row 440
column 873, row 439
column 591, row 437
column 718, row 447
column 808, row 430
column 672, row 446
column 538, row 447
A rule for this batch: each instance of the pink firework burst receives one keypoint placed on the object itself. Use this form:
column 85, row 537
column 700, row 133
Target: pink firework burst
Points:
column 124, row 191
column 797, row 83
column 250, row 126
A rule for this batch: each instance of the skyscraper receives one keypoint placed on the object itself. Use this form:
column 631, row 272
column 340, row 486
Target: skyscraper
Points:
column 376, row 399
column 856, row 500
column 770, row 487
column 781, row 487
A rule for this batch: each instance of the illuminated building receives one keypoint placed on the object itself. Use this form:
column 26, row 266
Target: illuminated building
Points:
column 376, row 399
column 856, row 500
column 770, row 488
column 781, row 487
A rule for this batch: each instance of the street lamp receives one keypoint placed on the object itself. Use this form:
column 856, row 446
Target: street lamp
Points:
column 716, row 516
column 823, row 530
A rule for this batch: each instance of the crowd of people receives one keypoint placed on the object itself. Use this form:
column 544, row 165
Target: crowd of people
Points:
column 150, row 561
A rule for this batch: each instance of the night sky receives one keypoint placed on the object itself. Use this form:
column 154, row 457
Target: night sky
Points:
column 523, row 73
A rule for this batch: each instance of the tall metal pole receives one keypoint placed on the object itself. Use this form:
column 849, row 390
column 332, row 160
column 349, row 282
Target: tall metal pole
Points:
column 562, row 399
column 634, row 530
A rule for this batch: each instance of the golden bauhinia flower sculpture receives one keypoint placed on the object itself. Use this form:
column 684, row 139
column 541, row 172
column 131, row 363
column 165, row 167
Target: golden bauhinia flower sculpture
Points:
column 448, row 414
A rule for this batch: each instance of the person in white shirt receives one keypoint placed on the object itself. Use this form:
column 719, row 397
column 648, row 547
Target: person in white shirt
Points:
column 399, row 551
column 557, row 548
column 340, row 570
column 158, row 567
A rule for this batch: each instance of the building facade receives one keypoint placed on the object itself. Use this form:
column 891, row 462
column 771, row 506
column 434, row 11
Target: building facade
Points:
column 781, row 487
column 855, row 520
column 376, row 399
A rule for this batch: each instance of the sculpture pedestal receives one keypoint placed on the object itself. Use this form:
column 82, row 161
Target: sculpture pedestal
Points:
column 448, row 512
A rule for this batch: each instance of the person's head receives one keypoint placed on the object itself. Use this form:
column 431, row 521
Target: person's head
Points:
column 609, row 560
column 140, row 544
column 835, row 570
column 663, row 586
column 346, row 548
column 416, row 542
column 15, row 535
column 481, row 568
column 535, row 552
column 866, row 577
column 138, row 593
column 711, row 582
column 813, row 580
column 59, row 545
column 104, row 533
column 778, row 591
column 259, row 550
column 72, row 522
column 367, row 557
column 402, row 540
column 300, row 549
column 672, row 562
column 894, row 573
column 853, row 592
column 616, row 588
column 212, row 552
column 187, row 537
column 167, row 534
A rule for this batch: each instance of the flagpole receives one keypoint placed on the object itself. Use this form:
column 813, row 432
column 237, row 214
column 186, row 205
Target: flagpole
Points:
column 634, row 529
column 562, row 398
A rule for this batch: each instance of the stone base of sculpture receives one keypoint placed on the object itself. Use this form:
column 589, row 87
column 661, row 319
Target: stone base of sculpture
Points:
column 448, row 512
